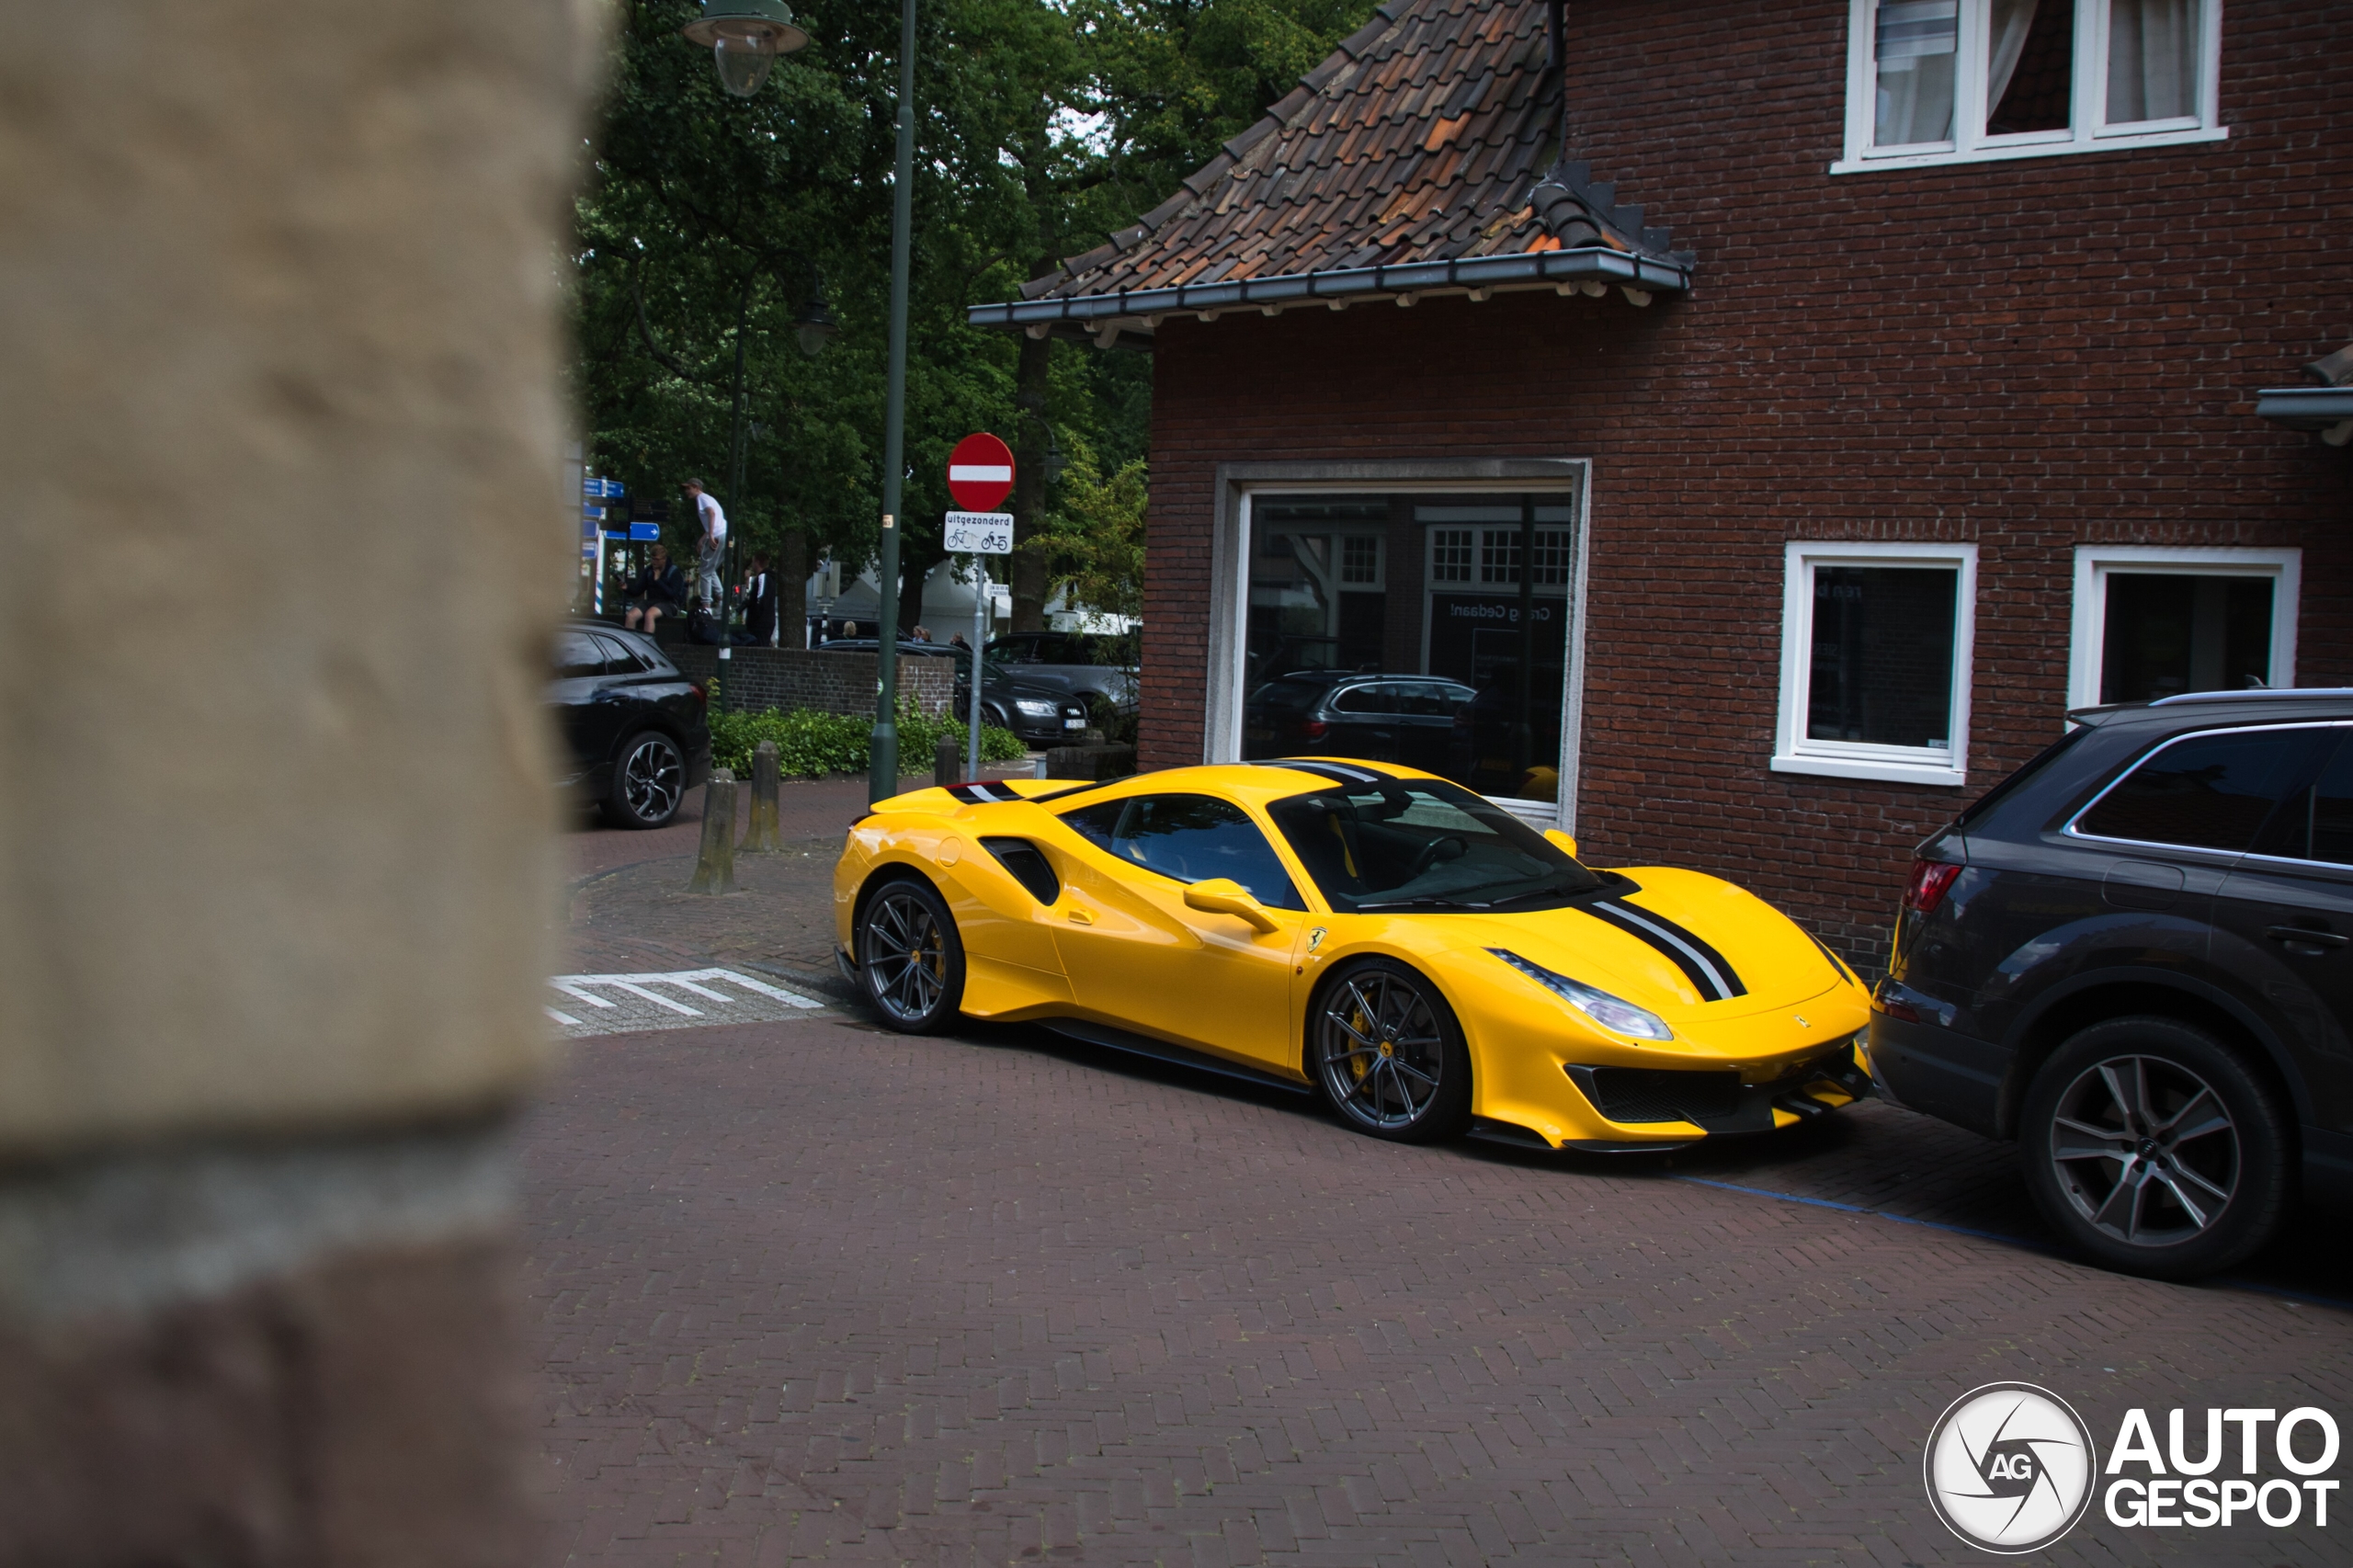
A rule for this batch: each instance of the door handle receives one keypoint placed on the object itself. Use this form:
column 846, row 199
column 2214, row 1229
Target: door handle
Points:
column 2292, row 935
column 1080, row 918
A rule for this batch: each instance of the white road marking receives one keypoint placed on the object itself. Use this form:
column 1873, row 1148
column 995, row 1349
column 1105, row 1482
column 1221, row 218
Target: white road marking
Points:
column 631, row 1002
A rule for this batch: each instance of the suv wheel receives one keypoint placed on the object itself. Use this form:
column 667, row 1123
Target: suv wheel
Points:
column 2154, row 1149
column 649, row 781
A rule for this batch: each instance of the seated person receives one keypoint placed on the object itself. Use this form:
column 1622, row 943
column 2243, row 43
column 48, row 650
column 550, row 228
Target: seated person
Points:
column 661, row 586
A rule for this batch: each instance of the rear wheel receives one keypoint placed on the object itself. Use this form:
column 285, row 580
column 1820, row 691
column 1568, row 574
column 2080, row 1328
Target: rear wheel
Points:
column 910, row 955
column 1387, row 1053
column 2153, row 1148
column 649, row 781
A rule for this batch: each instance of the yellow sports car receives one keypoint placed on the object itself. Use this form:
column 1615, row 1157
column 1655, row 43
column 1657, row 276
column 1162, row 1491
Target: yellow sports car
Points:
column 1427, row 961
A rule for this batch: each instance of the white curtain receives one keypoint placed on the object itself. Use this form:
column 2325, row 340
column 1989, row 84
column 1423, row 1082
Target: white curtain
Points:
column 2007, row 41
column 2152, row 60
column 1912, row 50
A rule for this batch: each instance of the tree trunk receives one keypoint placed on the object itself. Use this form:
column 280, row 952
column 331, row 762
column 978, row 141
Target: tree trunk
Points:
column 917, row 556
column 1027, row 564
column 793, row 588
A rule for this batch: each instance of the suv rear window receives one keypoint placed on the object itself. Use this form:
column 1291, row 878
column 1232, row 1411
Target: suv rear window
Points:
column 2209, row 791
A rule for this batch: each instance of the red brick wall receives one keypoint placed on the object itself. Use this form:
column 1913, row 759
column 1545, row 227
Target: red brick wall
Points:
column 2031, row 355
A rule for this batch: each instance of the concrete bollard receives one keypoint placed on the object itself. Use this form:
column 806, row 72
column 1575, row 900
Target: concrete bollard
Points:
column 715, row 866
column 947, row 761
column 761, row 836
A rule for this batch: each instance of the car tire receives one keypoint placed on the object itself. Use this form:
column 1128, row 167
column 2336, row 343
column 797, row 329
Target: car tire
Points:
column 910, row 959
column 1387, row 1053
column 649, row 781
column 2154, row 1149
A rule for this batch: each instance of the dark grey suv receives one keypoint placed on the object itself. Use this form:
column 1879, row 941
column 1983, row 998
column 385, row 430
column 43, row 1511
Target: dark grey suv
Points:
column 2132, row 958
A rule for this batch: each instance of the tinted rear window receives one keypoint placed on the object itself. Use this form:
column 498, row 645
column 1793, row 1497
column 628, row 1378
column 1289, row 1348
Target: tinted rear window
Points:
column 1975, row 812
column 2210, row 791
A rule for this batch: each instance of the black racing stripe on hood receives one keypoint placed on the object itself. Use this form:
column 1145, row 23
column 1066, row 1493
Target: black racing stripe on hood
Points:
column 1708, row 971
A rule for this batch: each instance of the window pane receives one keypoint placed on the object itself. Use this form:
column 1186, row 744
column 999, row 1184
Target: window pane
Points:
column 1465, row 588
column 1882, row 655
column 2207, row 793
column 2327, row 828
column 2152, row 60
column 1096, row 824
column 1912, row 50
column 2171, row 632
column 2029, row 66
column 577, row 656
column 1195, row 837
column 619, row 659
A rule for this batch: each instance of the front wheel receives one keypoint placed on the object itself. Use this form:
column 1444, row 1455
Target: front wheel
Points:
column 911, row 958
column 1387, row 1053
column 2154, row 1149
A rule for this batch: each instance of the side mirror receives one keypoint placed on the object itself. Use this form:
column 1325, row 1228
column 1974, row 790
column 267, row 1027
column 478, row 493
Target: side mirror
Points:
column 1224, row 896
column 1562, row 842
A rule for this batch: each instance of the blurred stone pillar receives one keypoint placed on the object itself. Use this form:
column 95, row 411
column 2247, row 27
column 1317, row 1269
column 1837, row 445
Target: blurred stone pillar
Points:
column 280, row 427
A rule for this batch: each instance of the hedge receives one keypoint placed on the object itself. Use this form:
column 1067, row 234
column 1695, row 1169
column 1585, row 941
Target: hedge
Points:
column 810, row 744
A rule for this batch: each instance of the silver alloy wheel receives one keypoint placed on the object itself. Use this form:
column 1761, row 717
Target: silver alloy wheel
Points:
column 2144, row 1149
column 906, row 955
column 1379, row 1047
column 654, row 777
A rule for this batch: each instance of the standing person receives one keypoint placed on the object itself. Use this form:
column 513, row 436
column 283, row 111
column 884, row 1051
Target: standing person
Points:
column 661, row 586
column 760, row 601
column 711, row 546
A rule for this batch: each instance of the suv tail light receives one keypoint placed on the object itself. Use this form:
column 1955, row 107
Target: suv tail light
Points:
column 1930, row 879
column 703, row 697
column 1313, row 729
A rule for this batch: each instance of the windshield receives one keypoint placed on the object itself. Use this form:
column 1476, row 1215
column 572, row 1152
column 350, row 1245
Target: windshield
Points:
column 1424, row 845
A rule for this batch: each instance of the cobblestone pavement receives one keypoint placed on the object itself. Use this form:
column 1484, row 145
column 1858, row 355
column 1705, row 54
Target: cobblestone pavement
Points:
column 807, row 1291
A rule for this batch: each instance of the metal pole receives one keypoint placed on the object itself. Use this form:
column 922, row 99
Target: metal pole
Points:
column 882, row 774
column 980, row 635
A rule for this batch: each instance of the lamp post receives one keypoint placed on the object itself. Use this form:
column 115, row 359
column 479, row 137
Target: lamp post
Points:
column 883, row 773
column 745, row 37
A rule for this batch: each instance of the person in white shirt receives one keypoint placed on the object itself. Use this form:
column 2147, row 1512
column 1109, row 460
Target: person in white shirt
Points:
column 712, row 547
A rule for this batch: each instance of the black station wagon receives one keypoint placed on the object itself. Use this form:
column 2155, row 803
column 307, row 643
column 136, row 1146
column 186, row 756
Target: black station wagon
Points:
column 2132, row 958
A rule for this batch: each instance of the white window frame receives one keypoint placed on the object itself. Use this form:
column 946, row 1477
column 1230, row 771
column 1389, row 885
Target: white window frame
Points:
column 1793, row 751
column 2094, row 561
column 1971, row 145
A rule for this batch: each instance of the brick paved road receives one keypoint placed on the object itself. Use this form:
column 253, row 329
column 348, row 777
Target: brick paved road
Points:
column 808, row 1291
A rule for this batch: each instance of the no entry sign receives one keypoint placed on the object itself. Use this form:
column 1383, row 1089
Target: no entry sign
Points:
column 980, row 473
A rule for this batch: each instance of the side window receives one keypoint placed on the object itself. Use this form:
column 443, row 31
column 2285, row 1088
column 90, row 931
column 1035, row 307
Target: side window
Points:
column 1096, row 824
column 2317, row 821
column 2210, row 791
column 1366, row 699
column 577, row 656
column 1191, row 838
column 619, row 659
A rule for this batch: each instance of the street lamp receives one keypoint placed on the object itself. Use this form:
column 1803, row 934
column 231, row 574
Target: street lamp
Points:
column 815, row 324
column 744, row 37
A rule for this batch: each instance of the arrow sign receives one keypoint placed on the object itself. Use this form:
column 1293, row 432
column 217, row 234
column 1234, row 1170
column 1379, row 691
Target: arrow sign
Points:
column 980, row 473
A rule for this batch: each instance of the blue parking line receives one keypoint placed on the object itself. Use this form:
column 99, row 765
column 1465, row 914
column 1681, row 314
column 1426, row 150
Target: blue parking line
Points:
column 2228, row 1281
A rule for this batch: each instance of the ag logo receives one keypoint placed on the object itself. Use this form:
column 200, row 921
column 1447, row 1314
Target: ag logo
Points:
column 2010, row 1468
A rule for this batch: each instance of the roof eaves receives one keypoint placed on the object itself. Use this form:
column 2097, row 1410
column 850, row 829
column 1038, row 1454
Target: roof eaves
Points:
column 1568, row 269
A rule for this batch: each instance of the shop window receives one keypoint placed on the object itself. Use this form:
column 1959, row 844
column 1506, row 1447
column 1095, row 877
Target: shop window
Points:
column 1875, row 659
column 2153, row 621
column 1427, row 630
column 1953, row 81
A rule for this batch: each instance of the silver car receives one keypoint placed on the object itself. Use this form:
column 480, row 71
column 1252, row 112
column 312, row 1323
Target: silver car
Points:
column 1099, row 671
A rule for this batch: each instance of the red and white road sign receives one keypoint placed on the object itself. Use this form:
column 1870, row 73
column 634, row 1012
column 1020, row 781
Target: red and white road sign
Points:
column 980, row 473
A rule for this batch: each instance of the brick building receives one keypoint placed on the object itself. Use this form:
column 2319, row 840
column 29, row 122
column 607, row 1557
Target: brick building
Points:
column 1865, row 385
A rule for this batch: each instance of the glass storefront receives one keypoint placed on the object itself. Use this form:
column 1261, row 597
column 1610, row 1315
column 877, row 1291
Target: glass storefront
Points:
column 1427, row 630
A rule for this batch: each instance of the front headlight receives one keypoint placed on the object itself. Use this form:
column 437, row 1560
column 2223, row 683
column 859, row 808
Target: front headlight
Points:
column 1610, row 1012
column 1036, row 709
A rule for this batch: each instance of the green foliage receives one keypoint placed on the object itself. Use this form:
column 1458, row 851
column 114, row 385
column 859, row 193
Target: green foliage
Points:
column 811, row 744
column 1093, row 535
column 708, row 223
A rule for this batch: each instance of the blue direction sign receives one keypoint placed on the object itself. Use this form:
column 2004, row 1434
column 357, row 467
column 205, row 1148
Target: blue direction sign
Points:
column 602, row 489
column 642, row 531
